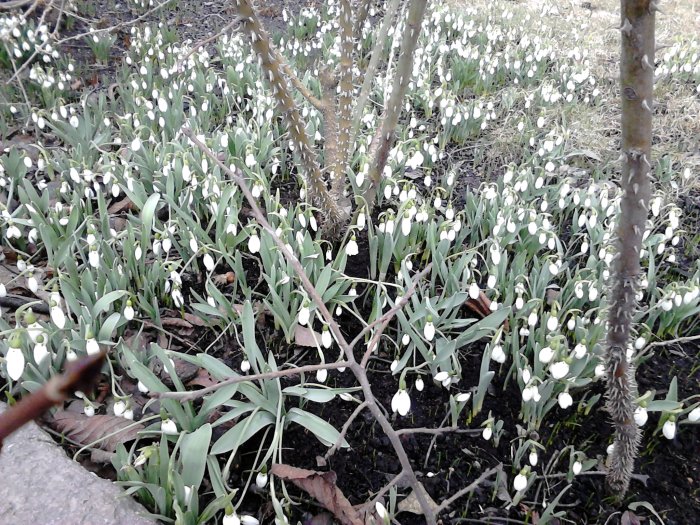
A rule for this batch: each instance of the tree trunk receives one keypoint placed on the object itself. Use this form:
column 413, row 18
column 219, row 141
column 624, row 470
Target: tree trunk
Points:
column 637, row 88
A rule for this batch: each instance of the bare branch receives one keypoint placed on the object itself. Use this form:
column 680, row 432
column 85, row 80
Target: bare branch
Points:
column 196, row 394
column 443, row 430
column 469, row 488
column 343, row 431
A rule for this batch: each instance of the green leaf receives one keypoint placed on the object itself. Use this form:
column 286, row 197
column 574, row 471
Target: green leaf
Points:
column 324, row 431
column 242, row 432
column 103, row 304
column 108, row 327
column 194, row 448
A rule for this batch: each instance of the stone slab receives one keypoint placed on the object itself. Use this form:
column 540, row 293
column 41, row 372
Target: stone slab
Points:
column 39, row 484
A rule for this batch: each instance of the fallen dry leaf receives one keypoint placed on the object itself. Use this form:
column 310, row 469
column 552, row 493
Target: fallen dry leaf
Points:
column 411, row 504
column 321, row 486
column 304, row 336
column 120, row 206
column 85, row 430
column 203, row 379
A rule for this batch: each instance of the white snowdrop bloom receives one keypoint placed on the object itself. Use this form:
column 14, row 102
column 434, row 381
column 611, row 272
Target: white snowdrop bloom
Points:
column 129, row 310
column 669, row 429
column 495, row 254
column 89, row 410
column 250, row 160
column 351, row 247
column 261, row 480
column 40, row 350
column 565, row 400
column 254, row 243
column 610, row 449
column 527, row 393
column 119, row 408
column 640, row 416
column 405, row 339
column 381, row 511
column 401, row 402
column 193, row 244
column 532, row 458
column 498, row 355
column 520, row 481
column 420, row 385
column 321, row 375
column 304, row 315
column 169, row 427
column 178, row 299
column 576, row 468
column 474, row 291
column 463, row 397
column 406, row 224
column 545, row 355
column 142, row 388
column 394, row 365
column 91, row 346
column 526, row 376
column 532, row 319
column 592, row 293
column 209, row 263
column 580, row 351
column 94, row 258
column 559, row 370
column 136, row 144
column 32, row 283
column 487, row 433
column 361, row 221
column 128, row 414
column 639, row 343
column 415, row 160
column 14, row 361
column 326, row 337
column 694, row 415
column 429, row 329
column 552, row 323
column 441, row 376
column 74, row 121
column 599, row 370
column 519, row 303
column 245, row 366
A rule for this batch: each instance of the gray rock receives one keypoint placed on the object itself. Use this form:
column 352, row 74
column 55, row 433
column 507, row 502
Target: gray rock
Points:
column 41, row 485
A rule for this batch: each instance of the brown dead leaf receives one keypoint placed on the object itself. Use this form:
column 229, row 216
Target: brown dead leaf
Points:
column 411, row 504
column 224, row 278
column 175, row 322
column 77, row 83
column 321, row 486
column 304, row 336
column 203, row 379
column 481, row 306
column 120, row 206
column 85, row 430
column 194, row 320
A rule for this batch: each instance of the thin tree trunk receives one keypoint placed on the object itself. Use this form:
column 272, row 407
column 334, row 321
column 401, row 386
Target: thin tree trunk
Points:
column 637, row 88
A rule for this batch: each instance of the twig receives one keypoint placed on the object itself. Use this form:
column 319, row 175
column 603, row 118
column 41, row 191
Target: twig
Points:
column 369, row 506
column 196, row 394
column 443, row 430
column 685, row 339
column 468, row 489
column 202, row 43
column 344, row 430
column 385, row 319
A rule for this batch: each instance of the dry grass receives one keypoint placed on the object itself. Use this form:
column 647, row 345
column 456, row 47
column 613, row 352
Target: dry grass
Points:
column 593, row 26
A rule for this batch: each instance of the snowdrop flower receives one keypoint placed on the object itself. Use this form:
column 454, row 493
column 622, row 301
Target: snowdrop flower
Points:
column 474, row 291
column 520, row 481
column 552, row 323
column 245, row 366
column 640, row 416
column 321, row 375
column 394, row 365
column 639, row 343
column 565, row 400
column 532, row 319
column 304, row 314
column 40, row 351
column 88, row 409
column 326, row 337
column 487, row 432
column 209, row 263
column 142, row 388
column 14, row 360
column 580, row 351
column 406, row 224
column 419, row 384
column 178, row 299
column 91, row 345
column 694, row 415
column 599, row 370
column 119, row 408
column 405, row 339
column 576, row 468
column 559, row 369
column 545, row 355
column 532, row 458
column 498, row 355
column 463, row 397
column 136, row 144
column 669, row 428
column 429, row 329
column 231, row 519
column 261, row 478
column 441, row 376
column 128, row 310
column 168, row 427
column 254, row 243
column 381, row 511
column 361, row 221
column 351, row 247
column 401, row 402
